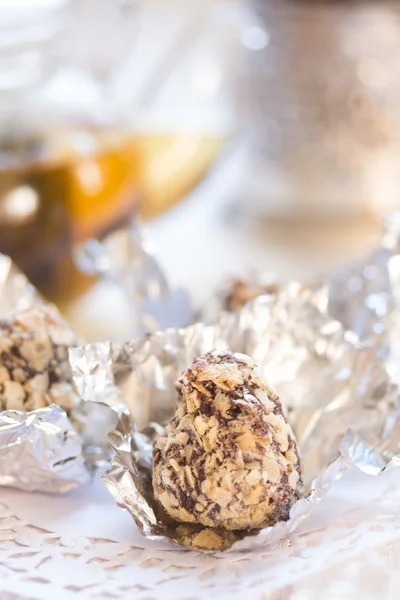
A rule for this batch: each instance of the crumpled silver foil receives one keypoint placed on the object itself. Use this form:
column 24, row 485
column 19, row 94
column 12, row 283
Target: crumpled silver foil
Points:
column 39, row 450
column 326, row 380
column 364, row 295
column 127, row 258
column 16, row 292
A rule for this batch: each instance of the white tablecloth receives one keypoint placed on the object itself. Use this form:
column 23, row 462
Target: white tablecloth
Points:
column 83, row 546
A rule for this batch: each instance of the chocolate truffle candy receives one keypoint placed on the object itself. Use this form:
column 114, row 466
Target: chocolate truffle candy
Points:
column 238, row 292
column 34, row 367
column 228, row 456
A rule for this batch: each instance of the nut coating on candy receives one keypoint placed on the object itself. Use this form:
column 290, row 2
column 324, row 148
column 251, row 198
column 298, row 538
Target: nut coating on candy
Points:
column 228, row 457
column 34, row 367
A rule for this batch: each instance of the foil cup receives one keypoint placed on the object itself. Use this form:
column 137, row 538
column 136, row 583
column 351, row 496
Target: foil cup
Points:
column 364, row 296
column 40, row 450
column 326, row 380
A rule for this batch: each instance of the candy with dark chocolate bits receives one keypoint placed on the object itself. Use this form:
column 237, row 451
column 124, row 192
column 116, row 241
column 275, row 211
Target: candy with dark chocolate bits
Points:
column 228, row 457
column 34, row 366
column 239, row 291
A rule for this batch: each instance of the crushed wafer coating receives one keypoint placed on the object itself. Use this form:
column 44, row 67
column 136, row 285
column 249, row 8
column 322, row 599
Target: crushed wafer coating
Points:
column 228, row 457
column 238, row 292
column 34, row 366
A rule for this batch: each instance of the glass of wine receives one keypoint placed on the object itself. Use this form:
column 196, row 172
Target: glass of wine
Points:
column 68, row 165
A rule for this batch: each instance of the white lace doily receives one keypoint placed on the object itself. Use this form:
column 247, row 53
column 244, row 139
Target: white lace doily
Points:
column 350, row 549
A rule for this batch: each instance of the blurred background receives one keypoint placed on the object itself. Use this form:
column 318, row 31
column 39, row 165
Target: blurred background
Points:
column 247, row 134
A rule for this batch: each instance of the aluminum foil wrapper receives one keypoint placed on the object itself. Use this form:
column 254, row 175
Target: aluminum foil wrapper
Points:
column 127, row 258
column 40, row 450
column 16, row 292
column 324, row 378
column 365, row 295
